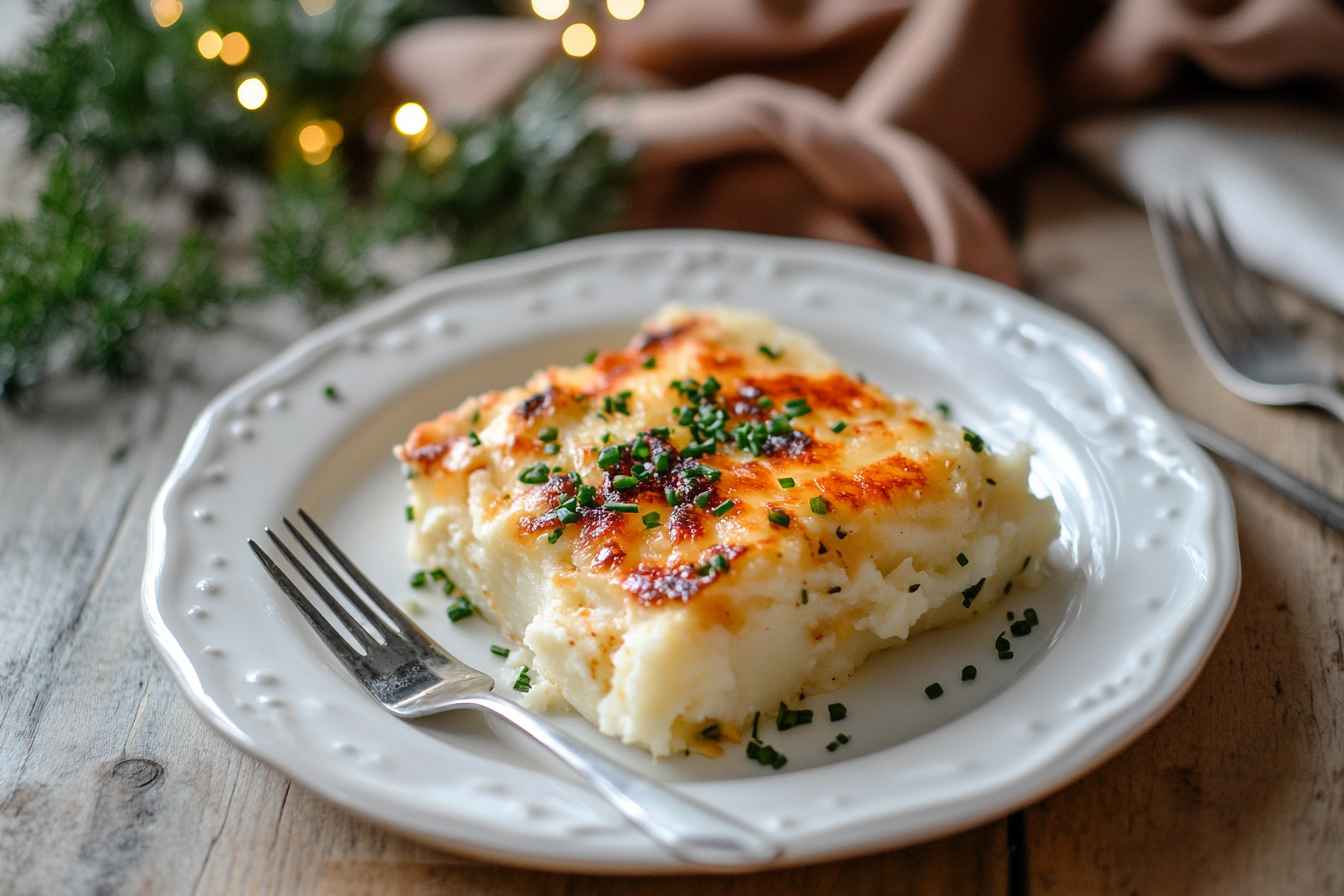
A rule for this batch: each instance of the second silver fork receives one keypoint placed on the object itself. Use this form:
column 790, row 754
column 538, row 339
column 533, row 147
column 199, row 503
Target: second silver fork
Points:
column 1230, row 316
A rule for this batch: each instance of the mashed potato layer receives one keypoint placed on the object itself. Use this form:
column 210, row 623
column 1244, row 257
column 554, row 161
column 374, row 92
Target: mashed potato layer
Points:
column 711, row 521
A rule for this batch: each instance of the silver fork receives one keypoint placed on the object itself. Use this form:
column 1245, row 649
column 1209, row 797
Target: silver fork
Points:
column 412, row 676
column 1231, row 318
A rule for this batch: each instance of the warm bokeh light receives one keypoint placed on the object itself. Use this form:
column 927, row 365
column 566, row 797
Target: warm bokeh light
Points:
column 252, row 93
column 316, row 7
column 550, row 9
column 410, row 119
column 578, row 40
column 165, row 12
column 234, row 48
column 317, row 140
column 209, row 44
column 312, row 138
column 625, row 10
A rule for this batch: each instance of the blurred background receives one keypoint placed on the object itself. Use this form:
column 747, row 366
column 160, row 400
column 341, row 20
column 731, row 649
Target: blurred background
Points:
column 183, row 163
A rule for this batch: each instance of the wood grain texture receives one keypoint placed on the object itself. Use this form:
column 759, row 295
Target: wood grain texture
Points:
column 110, row 783
column 1241, row 788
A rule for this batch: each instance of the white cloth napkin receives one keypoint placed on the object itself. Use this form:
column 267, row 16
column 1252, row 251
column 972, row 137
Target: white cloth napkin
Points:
column 1276, row 171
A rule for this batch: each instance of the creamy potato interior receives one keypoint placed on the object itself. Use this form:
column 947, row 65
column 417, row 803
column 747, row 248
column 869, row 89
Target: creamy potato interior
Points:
column 712, row 520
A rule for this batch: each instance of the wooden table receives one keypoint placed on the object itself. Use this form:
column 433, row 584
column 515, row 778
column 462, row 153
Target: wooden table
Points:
column 109, row 782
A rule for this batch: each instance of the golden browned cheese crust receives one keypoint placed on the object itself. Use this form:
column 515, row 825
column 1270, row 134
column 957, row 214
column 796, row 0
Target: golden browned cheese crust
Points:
column 629, row 424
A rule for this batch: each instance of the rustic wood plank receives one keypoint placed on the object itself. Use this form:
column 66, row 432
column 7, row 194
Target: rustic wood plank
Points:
column 1241, row 788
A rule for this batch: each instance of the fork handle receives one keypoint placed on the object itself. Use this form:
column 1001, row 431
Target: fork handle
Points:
column 686, row 828
column 1329, row 510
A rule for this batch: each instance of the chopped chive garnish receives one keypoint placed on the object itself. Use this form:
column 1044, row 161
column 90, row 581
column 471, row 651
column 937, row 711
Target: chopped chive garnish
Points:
column 1005, row 654
column 419, row 578
column 1030, row 615
column 650, row 362
column 459, row 611
column 536, row 474
column 331, row 393
column 765, row 401
column 475, row 417
column 772, row 353
column 797, row 407
column 590, row 357
column 552, row 448
column 971, row 593
column 438, row 575
column 1001, row 643
column 474, row 439
column 961, row 560
column 410, row 513
column 968, row 673
column 606, row 437
column 913, row 588
column 838, row 426
column 610, row 457
column 701, row 500
column 523, row 682
column 662, row 463
column 842, row 738
column 971, row 438
column 787, row 482
column 720, row 562
column 586, row 496
column 548, row 434
column 779, row 518
column 944, row 408
column 565, row 515
column 499, row 651
column 792, row 718
column 623, row 482
column 755, row 723
column 652, row 519
column 1020, row 628
column 832, row 747
column 766, row 755
column 670, row 494
column 619, row 507
column 641, row 450
column 933, row 691
column 819, row 504
column 711, row 732
column 723, row 508
column 554, row 535
column 837, row 711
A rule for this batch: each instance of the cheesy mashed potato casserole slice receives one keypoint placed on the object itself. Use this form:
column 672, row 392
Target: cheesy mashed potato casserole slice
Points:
column 710, row 521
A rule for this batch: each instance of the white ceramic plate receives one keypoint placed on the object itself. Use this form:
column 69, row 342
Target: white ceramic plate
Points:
column 1144, row 577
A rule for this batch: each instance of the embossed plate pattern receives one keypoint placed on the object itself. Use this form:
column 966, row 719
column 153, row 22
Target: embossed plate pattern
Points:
column 1143, row 578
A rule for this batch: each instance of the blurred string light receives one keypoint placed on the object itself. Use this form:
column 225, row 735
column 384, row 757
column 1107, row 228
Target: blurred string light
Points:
column 209, row 44
column 625, row 10
column 550, row 9
column 165, row 12
column 410, row 119
column 317, row 140
column 578, row 39
column 252, row 93
column 234, row 48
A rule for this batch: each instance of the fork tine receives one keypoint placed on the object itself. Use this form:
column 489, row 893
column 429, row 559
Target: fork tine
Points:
column 1225, row 322
column 364, row 609
column 371, row 590
column 1167, row 223
column 332, row 638
column 356, row 629
column 1246, row 289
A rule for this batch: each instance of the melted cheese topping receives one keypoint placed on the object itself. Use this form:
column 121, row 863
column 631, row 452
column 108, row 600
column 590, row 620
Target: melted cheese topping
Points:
column 725, row 591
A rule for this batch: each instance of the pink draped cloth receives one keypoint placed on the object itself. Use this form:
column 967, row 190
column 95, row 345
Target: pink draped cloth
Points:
column 865, row 121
